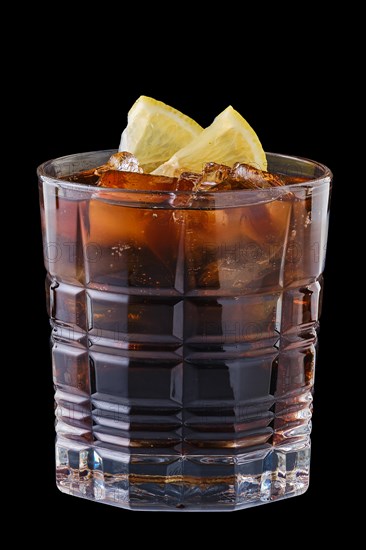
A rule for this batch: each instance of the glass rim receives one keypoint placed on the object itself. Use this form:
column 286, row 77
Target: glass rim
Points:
column 326, row 175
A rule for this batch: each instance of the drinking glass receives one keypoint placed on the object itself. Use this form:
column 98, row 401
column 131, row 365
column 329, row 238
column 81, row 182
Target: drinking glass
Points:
column 184, row 336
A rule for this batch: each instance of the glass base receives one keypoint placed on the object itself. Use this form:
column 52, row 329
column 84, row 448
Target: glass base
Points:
column 182, row 483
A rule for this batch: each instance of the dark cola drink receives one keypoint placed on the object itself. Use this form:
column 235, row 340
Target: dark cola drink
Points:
column 184, row 317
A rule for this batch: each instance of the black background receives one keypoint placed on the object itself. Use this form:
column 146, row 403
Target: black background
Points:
column 81, row 98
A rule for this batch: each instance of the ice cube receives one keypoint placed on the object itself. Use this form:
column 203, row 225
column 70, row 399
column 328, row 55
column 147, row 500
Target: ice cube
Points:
column 214, row 173
column 259, row 179
column 145, row 238
column 227, row 274
column 244, row 176
column 211, row 175
column 122, row 161
column 188, row 181
column 266, row 224
column 119, row 161
column 136, row 181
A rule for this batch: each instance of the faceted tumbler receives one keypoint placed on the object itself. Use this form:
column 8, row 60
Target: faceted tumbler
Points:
column 184, row 336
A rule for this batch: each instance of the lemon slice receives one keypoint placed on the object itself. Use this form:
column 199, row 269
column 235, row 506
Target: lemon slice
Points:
column 156, row 131
column 229, row 139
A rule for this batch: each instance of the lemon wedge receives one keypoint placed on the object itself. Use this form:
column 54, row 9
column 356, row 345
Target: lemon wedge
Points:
column 155, row 131
column 229, row 139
